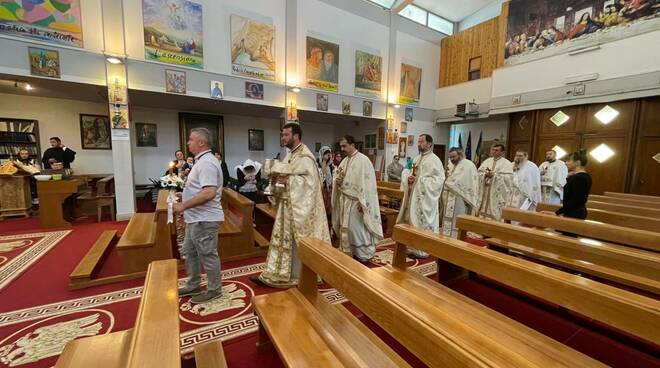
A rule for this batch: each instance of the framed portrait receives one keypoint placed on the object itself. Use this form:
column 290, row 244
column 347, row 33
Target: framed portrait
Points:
column 411, row 140
column 346, row 107
column 322, row 102
column 367, row 108
column 392, row 137
column 146, row 135
column 217, row 90
column 317, row 146
column 95, row 132
column 403, row 146
column 254, row 90
column 411, row 83
column 403, row 128
column 381, row 138
column 322, row 64
column 44, row 63
column 255, row 140
column 214, row 124
column 175, row 81
column 409, row 114
column 252, row 47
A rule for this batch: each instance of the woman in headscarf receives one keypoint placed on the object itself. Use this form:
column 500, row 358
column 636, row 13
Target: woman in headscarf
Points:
column 248, row 176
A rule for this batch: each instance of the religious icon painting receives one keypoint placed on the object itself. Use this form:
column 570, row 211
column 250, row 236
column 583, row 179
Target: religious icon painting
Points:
column 175, row 81
column 254, row 91
column 119, row 116
column 217, row 90
column 409, row 114
column 381, row 138
column 322, row 65
column 392, row 137
column 411, row 83
column 368, row 74
column 322, row 102
column 403, row 143
column 95, row 132
column 146, row 135
column 252, row 47
column 346, row 107
column 367, row 108
column 54, row 21
column 317, row 146
column 255, row 140
column 403, row 128
column 44, row 63
column 173, row 32
column 411, row 140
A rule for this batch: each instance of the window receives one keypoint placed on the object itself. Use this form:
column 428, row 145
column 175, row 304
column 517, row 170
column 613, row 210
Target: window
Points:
column 414, row 13
column 384, row 3
column 474, row 68
column 440, row 24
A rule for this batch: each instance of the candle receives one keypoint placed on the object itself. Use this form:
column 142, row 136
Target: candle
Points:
column 171, row 168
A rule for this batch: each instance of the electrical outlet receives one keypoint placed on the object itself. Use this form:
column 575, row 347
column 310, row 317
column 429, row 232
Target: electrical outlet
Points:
column 579, row 90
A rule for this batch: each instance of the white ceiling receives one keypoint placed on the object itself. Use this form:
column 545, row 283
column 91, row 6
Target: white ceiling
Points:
column 453, row 10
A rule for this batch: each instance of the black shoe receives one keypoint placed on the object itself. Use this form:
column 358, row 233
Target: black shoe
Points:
column 185, row 291
column 257, row 281
column 206, row 297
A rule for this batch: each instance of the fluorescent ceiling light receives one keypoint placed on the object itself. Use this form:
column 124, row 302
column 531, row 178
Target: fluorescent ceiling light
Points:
column 560, row 152
column 606, row 115
column 113, row 60
column 559, row 118
column 602, row 153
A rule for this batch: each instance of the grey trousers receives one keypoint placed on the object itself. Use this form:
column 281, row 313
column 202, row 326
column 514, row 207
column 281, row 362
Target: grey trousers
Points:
column 200, row 248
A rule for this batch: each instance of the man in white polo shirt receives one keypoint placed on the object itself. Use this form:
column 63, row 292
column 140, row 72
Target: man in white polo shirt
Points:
column 203, row 214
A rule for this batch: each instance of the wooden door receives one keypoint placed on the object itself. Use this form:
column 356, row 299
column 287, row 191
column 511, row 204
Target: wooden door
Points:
column 609, row 175
column 440, row 151
column 648, row 174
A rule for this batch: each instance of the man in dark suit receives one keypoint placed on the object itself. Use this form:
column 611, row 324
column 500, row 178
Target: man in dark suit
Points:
column 58, row 153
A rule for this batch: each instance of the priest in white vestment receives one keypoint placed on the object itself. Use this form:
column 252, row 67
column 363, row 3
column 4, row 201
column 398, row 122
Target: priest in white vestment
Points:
column 300, row 210
column 495, row 184
column 461, row 191
column 527, row 183
column 422, row 187
column 355, row 209
column 553, row 178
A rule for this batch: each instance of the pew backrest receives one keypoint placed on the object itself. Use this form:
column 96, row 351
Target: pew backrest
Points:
column 614, row 218
column 638, row 197
column 633, row 313
column 388, row 184
column 232, row 200
column 624, row 201
column 390, row 192
column 622, row 208
column 588, row 228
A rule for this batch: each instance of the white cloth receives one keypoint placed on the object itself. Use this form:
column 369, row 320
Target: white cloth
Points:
column 553, row 179
column 358, row 232
column 460, row 194
column 495, row 192
column 421, row 201
column 527, row 186
column 250, row 179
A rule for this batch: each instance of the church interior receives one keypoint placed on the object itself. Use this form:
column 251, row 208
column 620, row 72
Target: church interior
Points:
column 329, row 183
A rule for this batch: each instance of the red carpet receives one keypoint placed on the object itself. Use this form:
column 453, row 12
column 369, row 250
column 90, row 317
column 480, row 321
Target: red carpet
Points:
column 36, row 305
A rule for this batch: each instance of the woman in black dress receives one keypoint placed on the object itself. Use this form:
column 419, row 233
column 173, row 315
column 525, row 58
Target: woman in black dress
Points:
column 577, row 188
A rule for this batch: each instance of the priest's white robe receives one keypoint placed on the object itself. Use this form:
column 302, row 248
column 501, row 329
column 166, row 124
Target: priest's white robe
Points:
column 460, row 194
column 553, row 179
column 421, row 201
column 527, row 186
column 300, row 214
column 358, row 231
column 495, row 192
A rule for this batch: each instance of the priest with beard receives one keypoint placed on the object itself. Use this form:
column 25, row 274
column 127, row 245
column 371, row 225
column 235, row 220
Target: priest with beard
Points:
column 553, row 178
column 460, row 192
column 58, row 154
column 527, row 183
column 495, row 184
column 422, row 187
column 355, row 209
column 299, row 210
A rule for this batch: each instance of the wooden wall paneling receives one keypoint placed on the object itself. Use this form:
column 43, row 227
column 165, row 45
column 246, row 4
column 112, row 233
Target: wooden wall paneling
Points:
column 568, row 144
column 521, row 127
column 647, row 180
column 622, row 123
column 503, row 24
column 650, row 117
column 547, row 127
column 610, row 175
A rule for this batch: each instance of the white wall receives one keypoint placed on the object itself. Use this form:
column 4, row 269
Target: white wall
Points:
column 495, row 127
column 424, row 54
column 61, row 118
column 489, row 11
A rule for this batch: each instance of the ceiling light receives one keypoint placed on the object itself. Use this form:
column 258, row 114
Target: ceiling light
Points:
column 602, row 153
column 397, row 106
column 295, row 89
column 560, row 152
column 606, row 114
column 113, row 60
column 559, row 118
column 657, row 157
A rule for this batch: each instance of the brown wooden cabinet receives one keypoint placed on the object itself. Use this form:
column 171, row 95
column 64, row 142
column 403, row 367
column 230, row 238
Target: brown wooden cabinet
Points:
column 15, row 197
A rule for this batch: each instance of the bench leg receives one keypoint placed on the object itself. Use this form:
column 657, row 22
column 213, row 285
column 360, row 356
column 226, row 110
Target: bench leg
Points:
column 263, row 340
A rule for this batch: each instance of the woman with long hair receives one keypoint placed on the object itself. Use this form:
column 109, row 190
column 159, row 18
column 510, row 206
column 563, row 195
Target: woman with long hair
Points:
column 577, row 188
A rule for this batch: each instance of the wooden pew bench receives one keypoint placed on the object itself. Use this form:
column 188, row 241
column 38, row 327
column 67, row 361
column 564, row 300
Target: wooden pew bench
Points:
column 388, row 184
column 626, row 311
column 153, row 342
column 264, row 219
column 93, row 259
column 210, row 355
column 596, row 230
column 622, row 208
column 236, row 238
column 389, row 215
column 624, row 201
column 624, row 265
column 102, row 195
column 638, row 197
column 614, row 218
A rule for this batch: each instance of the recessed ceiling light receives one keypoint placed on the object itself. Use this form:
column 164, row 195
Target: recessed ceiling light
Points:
column 602, row 153
column 559, row 118
column 397, row 106
column 295, row 89
column 560, row 152
column 113, row 60
column 606, row 114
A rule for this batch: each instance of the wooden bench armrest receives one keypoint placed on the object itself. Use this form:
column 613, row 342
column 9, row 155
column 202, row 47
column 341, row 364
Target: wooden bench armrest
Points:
column 210, row 355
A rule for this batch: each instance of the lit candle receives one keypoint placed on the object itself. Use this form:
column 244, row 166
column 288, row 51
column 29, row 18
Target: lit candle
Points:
column 171, row 168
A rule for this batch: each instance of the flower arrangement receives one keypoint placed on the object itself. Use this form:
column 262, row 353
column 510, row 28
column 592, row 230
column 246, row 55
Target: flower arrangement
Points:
column 171, row 182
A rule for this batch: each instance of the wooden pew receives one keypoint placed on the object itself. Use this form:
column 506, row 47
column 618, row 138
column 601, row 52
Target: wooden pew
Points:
column 624, row 201
column 388, row 184
column 621, row 264
column 621, row 208
column 389, row 215
column 614, row 218
column 441, row 327
column 265, row 215
column 101, row 196
column 621, row 309
column 210, row 355
column 596, row 230
column 638, row 197
column 153, row 342
column 236, row 238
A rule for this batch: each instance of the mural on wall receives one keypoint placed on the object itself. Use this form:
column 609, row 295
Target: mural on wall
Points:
column 173, row 32
column 55, row 21
column 542, row 28
column 411, row 83
column 175, row 81
column 146, row 135
column 252, row 48
column 322, row 64
column 368, row 74
column 44, row 63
